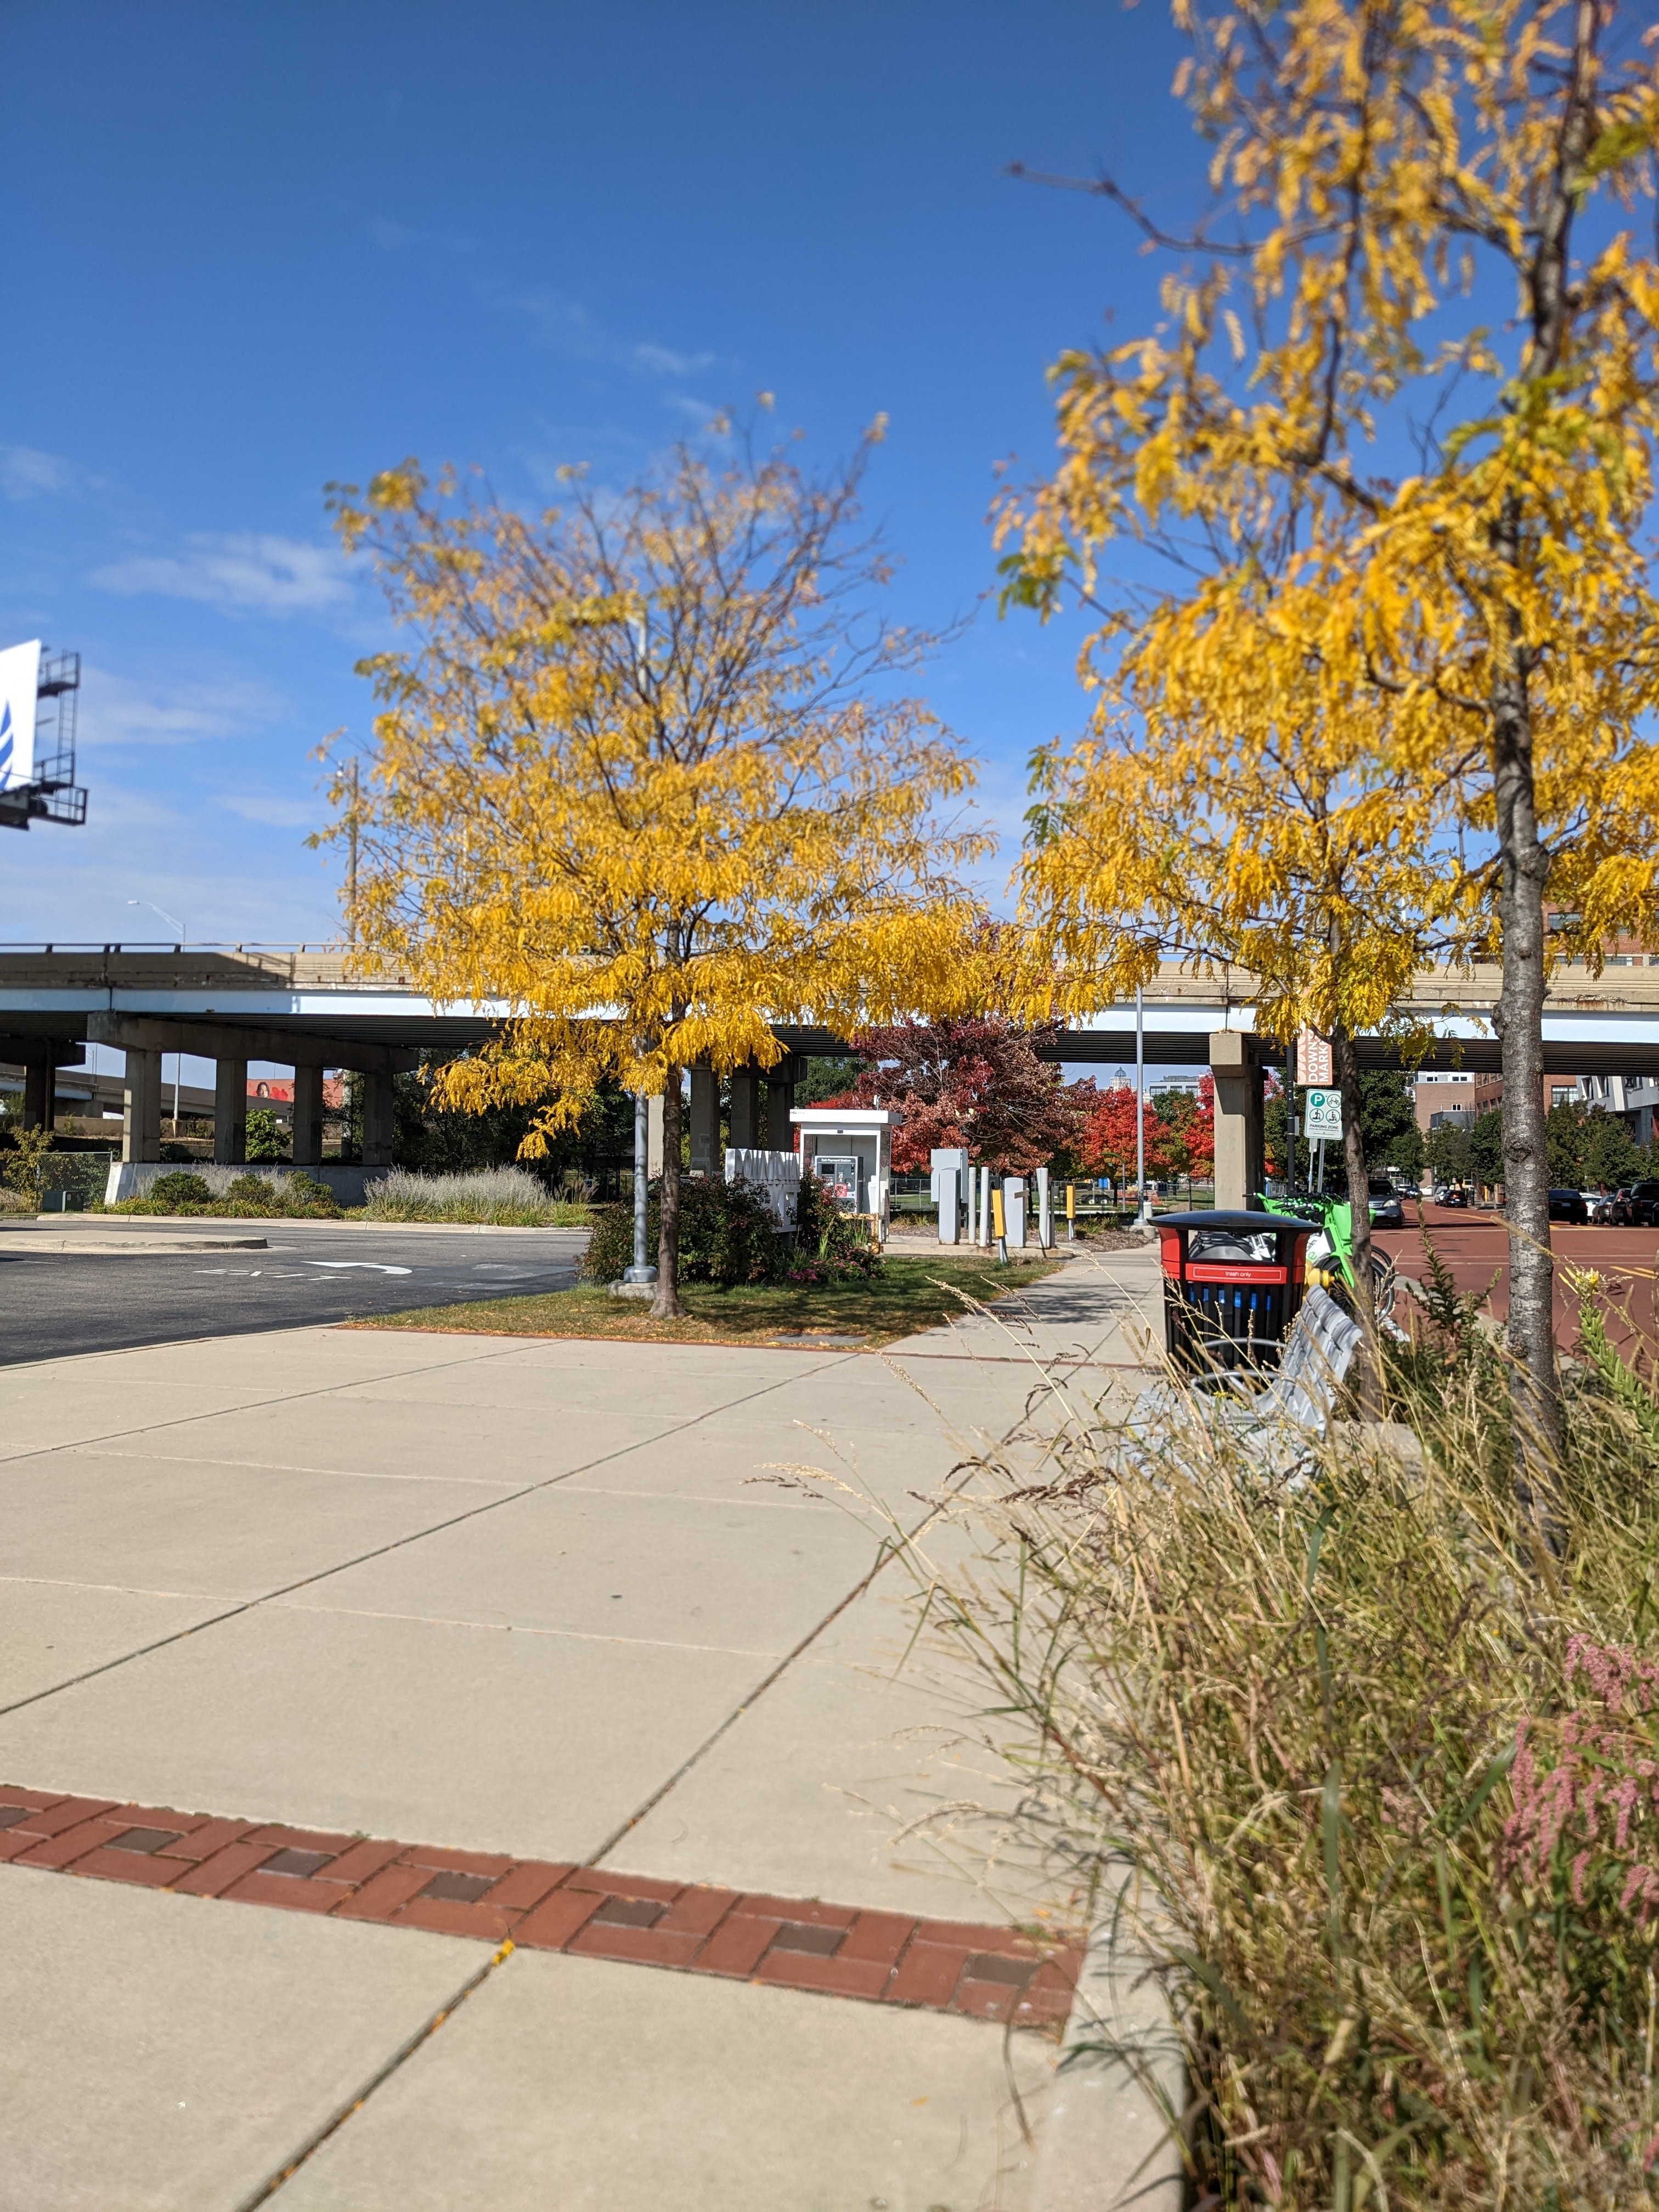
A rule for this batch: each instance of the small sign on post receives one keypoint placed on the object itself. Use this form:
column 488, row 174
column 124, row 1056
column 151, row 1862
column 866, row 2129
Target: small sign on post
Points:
column 1324, row 1118
column 1314, row 1061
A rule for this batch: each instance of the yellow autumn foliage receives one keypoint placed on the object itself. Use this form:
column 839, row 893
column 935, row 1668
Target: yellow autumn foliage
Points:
column 647, row 781
column 1393, row 438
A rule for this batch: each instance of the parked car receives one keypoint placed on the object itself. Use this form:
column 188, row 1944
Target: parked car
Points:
column 1637, row 1207
column 1568, row 1205
column 1386, row 1212
column 1450, row 1194
column 1598, row 1204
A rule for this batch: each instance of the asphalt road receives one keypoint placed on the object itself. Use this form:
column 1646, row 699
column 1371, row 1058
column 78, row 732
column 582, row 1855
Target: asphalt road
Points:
column 1474, row 1245
column 52, row 1303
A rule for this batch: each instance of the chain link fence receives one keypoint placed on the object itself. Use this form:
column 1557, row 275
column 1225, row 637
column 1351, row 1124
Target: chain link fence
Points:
column 72, row 1183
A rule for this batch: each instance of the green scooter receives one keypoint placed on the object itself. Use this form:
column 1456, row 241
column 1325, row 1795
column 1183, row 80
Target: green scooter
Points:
column 1330, row 1251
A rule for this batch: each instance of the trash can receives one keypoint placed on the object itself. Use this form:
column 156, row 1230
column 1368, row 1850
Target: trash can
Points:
column 1233, row 1283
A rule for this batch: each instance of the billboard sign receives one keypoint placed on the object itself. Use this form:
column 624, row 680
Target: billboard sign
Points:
column 20, row 678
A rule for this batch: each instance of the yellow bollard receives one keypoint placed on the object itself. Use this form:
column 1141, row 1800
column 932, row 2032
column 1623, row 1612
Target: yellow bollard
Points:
column 1070, row 1213
column 998, row 1230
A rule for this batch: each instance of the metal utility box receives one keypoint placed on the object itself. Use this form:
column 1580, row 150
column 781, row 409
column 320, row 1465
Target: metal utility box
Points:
column 949, row 1182
column 840, row 1171
column 1013, row 1212
column 1233, row 1283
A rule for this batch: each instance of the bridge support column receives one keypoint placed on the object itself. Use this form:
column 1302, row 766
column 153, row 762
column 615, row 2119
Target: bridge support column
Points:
column 780, row 1098
column 1236, row 1065
column 229, row 1113
column 141, row 1115
column 746, row 1107
column 39, row 1087
column 705, row 1123
column 307, row 1116
column 378, row 1119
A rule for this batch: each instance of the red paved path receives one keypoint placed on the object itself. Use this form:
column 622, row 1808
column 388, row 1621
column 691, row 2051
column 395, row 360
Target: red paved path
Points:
column 994, row 1973
column 1475, row 1247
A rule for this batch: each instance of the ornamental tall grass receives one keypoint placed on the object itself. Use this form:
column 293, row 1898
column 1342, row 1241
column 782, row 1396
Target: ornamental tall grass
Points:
column 509, row 1197
column 1361, row 1766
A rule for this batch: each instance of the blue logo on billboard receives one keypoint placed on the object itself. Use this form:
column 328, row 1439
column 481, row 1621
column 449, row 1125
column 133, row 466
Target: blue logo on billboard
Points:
column 5, row 744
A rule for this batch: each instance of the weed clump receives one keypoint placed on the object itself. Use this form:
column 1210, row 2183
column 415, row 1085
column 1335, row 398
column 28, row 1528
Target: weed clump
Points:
column 1361, row 1770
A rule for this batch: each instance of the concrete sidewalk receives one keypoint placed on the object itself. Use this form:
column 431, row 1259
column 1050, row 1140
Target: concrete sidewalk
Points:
column 554, row 1600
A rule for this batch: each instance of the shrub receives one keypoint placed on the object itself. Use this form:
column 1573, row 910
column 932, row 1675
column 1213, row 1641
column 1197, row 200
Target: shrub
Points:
column 20, row 1167
column 303, row 1193
column 267, row 1140
column 511, row 1197
column 726, row 1236
column 178, row 1192
column 830, row 1246
column 1363, row 1772
column 252, row 1194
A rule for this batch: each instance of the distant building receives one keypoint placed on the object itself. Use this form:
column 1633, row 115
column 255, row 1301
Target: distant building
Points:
column 1434, row 1097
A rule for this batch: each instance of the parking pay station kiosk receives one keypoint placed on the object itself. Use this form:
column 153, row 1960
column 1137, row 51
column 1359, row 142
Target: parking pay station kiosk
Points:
column 851, row 1149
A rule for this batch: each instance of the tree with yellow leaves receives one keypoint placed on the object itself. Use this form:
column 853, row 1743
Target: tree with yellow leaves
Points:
column 1240, row 827
column 647, row 782
column 1397, row 429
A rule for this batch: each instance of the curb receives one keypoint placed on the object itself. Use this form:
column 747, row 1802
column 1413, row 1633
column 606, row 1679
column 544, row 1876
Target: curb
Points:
column 1105, row 2145
column 302, row 1221
column 109, row 1247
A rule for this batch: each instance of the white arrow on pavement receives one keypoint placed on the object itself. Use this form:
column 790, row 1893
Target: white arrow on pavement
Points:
column 374, row 1267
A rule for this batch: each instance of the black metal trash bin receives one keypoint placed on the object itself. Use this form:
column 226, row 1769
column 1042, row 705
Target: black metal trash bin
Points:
column 1233, row 1283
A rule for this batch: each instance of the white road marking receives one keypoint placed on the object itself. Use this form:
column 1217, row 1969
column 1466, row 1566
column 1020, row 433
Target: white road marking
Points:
column 370, row 1267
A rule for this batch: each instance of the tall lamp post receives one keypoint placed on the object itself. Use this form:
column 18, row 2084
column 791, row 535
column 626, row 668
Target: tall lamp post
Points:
column 184, row 940
column 642, row 1271
column 1142, row 1214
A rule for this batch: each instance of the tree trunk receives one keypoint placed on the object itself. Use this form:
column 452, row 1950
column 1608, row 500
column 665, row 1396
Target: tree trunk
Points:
column 665, row 1305
column 1367, row 1371
column 1534, row 1391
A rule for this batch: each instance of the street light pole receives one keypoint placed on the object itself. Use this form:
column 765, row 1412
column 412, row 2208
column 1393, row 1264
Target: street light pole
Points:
column 640, row 1272
column 1140, row 1112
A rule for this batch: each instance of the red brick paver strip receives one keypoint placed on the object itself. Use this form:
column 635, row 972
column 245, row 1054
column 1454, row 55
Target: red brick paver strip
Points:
column 972, row 1968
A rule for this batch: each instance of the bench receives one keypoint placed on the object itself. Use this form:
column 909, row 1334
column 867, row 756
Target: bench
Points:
column 1270, row 1420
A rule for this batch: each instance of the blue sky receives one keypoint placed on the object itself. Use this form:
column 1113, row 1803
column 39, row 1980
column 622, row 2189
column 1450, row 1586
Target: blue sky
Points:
column 251, row 249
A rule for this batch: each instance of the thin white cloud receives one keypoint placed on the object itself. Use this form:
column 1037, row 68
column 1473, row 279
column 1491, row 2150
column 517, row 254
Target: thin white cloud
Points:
column 278, row 813
column 566, row 325
column 115, row 711
column 251, row 572
column 663, row 361
column 26, row 471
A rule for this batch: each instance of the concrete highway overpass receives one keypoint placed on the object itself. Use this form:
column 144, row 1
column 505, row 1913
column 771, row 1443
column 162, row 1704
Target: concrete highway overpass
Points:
column 310, row 1007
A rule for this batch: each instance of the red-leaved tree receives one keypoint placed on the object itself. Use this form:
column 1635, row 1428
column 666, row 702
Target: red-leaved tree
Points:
column 977, row 1082
column 1186, row 1144
column 1107, row 1145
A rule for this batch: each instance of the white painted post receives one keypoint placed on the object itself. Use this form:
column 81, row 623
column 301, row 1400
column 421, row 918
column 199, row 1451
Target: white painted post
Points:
column 1014, row 1211
column 1045, row 1210
column 948, row 1224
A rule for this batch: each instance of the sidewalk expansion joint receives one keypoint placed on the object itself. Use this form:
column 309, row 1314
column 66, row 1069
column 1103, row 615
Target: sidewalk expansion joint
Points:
column 1017, row 1978
column 360, row 1558
column 378, row 2079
